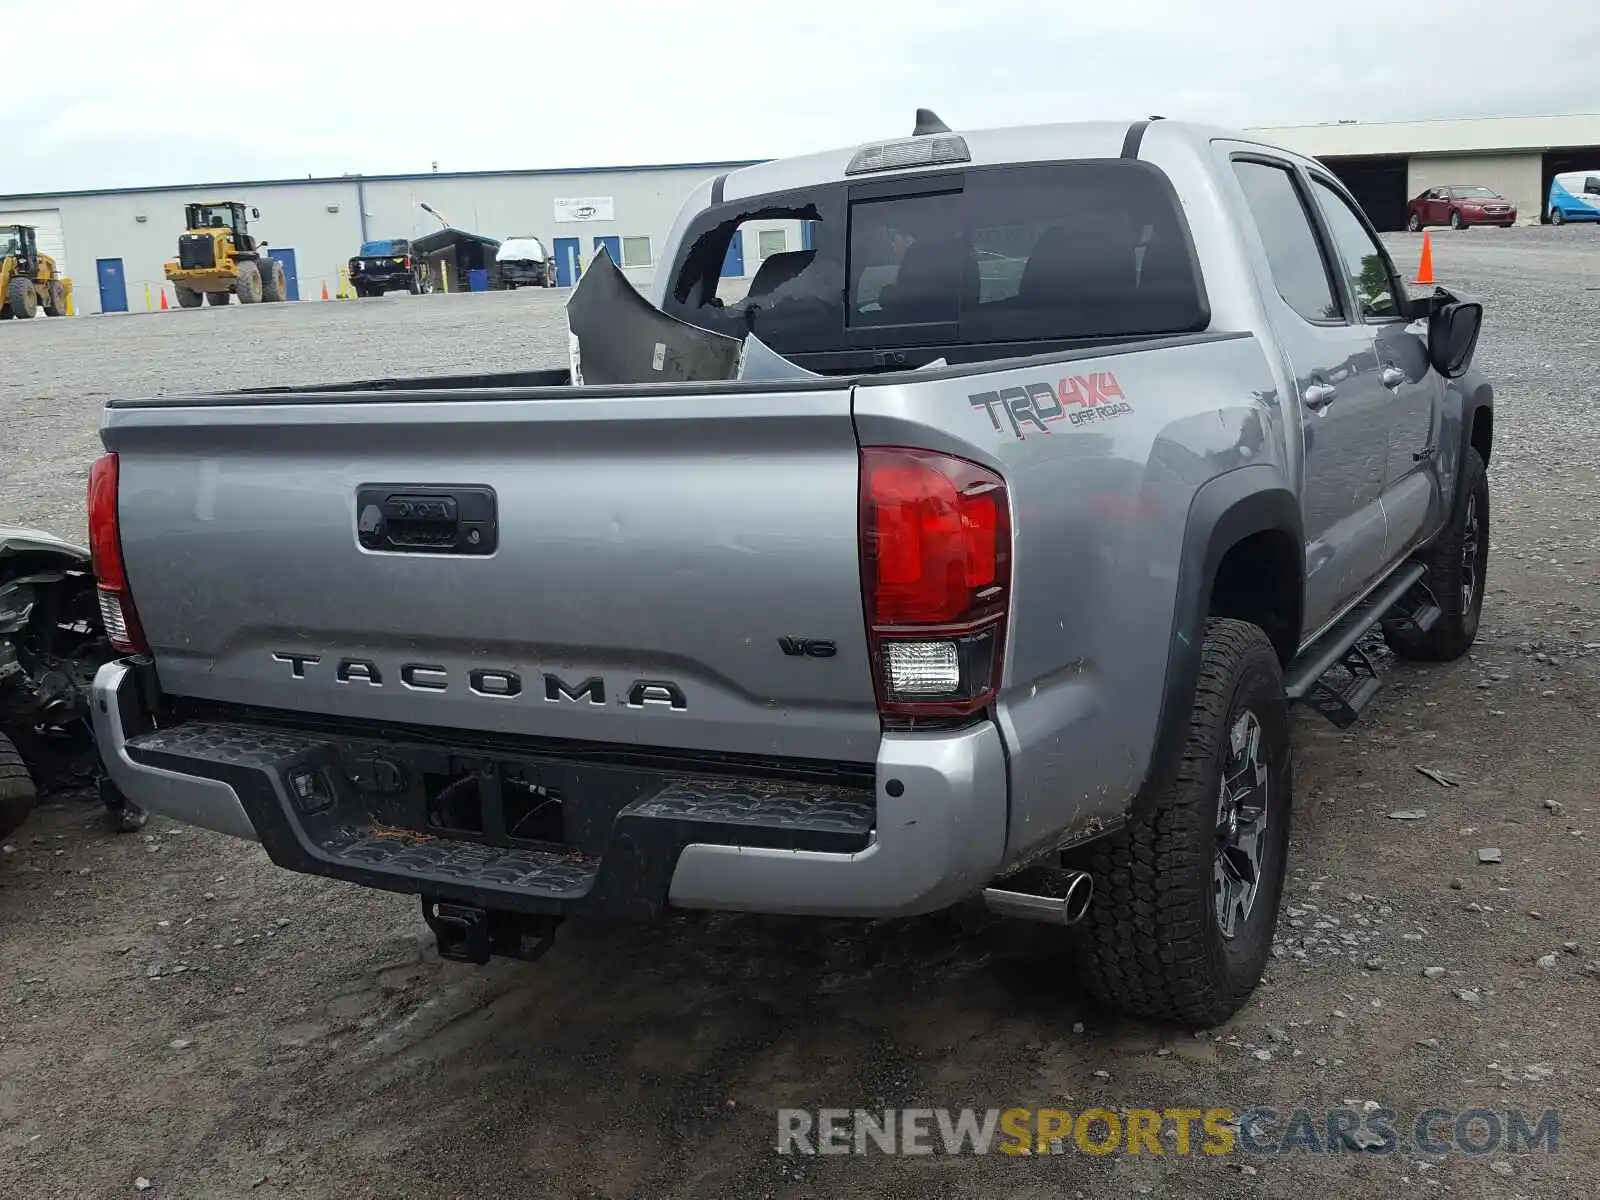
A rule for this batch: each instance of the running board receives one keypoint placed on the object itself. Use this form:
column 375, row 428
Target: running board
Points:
column 1401, row 599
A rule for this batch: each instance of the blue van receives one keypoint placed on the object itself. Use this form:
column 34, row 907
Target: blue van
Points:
column 1574, row 196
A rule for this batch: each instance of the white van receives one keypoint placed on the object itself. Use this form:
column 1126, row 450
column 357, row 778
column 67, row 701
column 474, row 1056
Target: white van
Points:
column 1574, row 196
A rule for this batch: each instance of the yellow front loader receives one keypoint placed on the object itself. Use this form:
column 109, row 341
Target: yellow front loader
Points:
column 29, row 280
column 217, row 258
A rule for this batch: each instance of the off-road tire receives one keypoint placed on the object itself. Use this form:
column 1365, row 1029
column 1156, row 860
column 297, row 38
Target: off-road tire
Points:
column 17, row 793
column 274, row 281
column 218, row 299
column 1452, row 634
column 56, row 306
column 188, row 298
column 1151, row 944
column 248, row 284
column 24, row 300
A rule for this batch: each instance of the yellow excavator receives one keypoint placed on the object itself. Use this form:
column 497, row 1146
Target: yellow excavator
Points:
column 217, row 258
column 29, row 280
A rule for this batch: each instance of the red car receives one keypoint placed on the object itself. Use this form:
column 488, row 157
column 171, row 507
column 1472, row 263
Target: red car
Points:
column 1459, row 207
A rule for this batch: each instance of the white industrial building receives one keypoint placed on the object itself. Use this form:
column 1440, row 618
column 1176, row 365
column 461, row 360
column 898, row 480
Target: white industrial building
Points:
column 113, row 242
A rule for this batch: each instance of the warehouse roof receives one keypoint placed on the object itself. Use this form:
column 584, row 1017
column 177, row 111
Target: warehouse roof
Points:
column 1477, row 135
column 235, row 184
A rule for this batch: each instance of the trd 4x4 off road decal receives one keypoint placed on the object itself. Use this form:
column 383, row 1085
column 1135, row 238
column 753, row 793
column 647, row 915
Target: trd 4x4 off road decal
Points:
column 1077, row 399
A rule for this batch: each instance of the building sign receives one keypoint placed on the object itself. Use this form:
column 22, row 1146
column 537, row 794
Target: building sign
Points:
column 585, row 208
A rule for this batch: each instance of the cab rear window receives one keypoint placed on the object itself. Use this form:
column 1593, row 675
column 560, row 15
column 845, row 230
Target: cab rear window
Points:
column 996, row 256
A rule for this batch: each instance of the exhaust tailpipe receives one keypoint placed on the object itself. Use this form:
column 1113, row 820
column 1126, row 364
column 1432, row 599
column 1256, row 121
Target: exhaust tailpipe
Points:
column 1077, row 891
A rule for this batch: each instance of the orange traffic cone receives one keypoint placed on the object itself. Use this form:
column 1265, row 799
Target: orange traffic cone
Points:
column 1425, row 267
column 163, row 299
column 324, row 289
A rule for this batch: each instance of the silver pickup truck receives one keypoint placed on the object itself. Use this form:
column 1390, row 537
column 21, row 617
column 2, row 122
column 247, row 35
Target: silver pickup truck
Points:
column 978, row 549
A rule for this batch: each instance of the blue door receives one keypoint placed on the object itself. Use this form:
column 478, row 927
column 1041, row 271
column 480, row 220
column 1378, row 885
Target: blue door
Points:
column 612, row 244
column 567, row 262
column 733, row 263
column 113, row 285
column 291, row 275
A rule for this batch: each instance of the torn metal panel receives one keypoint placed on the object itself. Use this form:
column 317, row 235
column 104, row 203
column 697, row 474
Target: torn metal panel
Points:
column 760, row 363
column 616, row 336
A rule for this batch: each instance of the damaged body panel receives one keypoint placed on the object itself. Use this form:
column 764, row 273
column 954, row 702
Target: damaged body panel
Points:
column 51, row 645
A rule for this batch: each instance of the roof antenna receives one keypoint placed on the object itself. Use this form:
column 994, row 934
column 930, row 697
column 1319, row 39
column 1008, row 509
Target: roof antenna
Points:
column 928, row 122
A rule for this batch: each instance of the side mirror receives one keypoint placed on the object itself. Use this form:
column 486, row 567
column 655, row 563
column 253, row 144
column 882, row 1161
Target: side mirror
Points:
column 255, row 213
column 1453, row 336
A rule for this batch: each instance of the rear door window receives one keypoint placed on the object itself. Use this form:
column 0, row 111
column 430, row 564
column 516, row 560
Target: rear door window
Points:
column 1293, row 253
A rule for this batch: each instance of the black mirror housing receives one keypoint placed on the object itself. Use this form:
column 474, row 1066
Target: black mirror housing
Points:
column 1453, row 330
column 255, row 214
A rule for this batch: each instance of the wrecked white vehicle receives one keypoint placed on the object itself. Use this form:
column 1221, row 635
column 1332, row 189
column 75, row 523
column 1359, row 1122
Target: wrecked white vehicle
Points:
column 51, row 643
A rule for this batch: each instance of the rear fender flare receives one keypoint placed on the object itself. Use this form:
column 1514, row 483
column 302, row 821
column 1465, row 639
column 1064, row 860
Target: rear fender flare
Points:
column 1224, row 511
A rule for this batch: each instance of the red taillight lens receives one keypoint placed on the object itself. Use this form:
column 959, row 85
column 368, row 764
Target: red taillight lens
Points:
column 936, row 571
column 105, row 548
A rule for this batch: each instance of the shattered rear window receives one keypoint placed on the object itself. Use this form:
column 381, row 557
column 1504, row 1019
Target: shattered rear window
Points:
column 1025, row 253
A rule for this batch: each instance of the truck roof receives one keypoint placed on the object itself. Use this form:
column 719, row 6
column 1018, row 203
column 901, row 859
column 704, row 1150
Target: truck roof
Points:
column 987, row 147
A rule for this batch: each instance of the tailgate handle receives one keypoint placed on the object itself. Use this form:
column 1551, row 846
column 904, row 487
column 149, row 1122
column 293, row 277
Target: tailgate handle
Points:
column 427, row 519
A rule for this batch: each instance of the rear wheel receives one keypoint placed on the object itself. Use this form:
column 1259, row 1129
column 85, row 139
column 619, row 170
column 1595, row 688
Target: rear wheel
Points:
column 1456, row 564
column 17, row 794
column 218, row 299
column 1186, row 898
column 274, row 282
column 1455, row 221
column 248, row 284
column 1414, row 223
column 24, row 300
column 56, row 305
column 187, row 298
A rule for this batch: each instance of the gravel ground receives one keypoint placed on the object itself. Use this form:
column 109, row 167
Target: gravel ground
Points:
column 180, row 1012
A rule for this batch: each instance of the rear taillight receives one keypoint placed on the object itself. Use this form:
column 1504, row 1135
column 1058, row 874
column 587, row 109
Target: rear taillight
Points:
column 105, row 548
column 936, row 573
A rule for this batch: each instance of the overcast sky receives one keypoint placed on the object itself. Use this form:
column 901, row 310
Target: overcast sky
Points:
column 132, row 92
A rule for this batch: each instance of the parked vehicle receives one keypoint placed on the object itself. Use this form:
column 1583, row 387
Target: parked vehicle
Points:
column 29, row 280
column 879, row 590
column 1459, row 207
column 218, row 257
column 524, row 262
column 1574, row 196
column 51, row 643
column 389, row 266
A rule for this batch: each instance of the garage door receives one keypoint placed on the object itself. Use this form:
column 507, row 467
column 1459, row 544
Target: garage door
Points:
column 48, row 222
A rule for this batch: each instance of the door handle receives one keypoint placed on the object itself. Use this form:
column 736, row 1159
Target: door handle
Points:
column 1319, row 395
column 1393, row 377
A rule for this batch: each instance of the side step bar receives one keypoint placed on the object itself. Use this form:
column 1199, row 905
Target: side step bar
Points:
column 1403, row 598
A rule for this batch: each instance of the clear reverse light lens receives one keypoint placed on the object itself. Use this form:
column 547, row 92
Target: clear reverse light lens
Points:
column 923, row 668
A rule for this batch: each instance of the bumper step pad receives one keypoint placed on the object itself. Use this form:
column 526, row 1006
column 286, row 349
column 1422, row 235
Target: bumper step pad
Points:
column 644, row 817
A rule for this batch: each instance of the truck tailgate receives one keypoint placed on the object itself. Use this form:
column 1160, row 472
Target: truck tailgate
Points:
column 660, row 563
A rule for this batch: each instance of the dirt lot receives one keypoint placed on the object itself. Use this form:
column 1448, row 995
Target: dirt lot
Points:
column 178, row 1010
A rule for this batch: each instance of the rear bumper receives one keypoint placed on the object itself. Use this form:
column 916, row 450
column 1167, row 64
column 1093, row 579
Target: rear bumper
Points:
column 927, row 831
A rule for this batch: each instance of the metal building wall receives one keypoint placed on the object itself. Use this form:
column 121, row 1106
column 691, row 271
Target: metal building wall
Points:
column 1516, row 176
column 108, row 226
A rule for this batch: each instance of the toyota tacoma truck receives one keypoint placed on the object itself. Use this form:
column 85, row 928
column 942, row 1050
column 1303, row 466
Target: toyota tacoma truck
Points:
column 977, row 552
